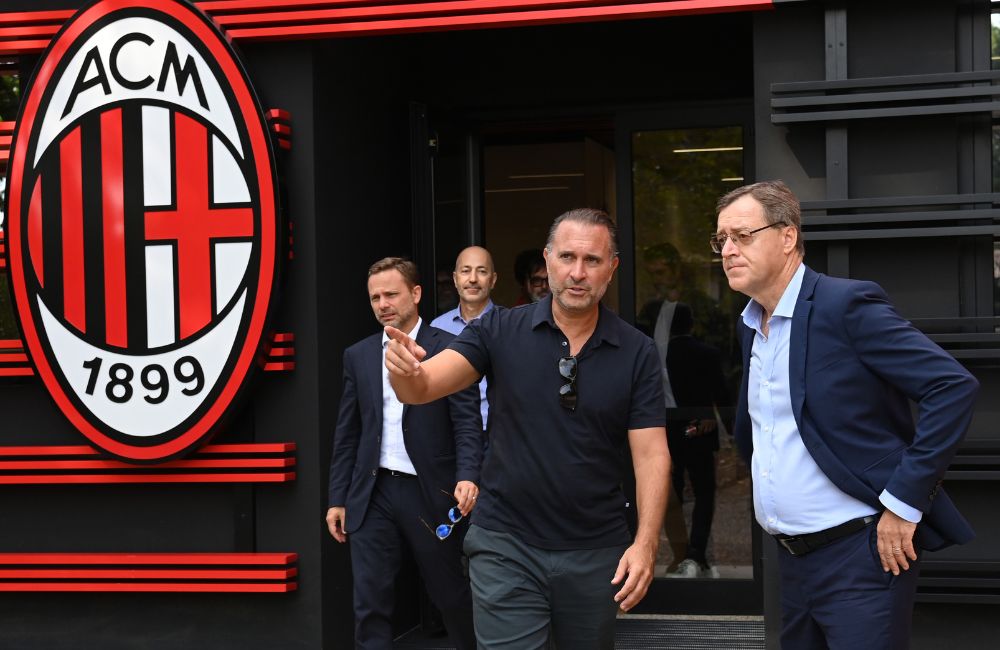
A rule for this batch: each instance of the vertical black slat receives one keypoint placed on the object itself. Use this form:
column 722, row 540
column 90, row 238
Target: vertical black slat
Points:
column 474, row 188
column 422, row 205
column 837, row 183
column 135, row 228
column 51, row 179
column 93, row 226
column 626, row 219
column 975, row 163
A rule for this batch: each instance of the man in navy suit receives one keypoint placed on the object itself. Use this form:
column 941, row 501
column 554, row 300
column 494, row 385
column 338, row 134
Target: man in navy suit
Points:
column 843, row 478
column 398, row 470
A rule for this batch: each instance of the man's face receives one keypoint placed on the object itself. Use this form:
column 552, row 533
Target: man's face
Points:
column 754, row 267
column 580, row 265
column 474, row 276
column 536, row 285
column 393, row 302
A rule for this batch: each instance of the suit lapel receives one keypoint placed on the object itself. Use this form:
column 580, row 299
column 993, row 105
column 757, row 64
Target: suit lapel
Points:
column 798, row 342
column 375, row 362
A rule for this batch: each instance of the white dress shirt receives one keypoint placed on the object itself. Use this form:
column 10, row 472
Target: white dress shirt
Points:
column 392, row 454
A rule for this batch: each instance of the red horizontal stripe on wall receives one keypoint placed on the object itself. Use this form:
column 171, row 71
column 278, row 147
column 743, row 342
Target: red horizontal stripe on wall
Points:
column 84, row 450
column 16, row 372
column 300, row 19
column 115, row 559
column 139, row 574
column 81, row 465
column 200, row 477
column 140, row 587
column 215, row 463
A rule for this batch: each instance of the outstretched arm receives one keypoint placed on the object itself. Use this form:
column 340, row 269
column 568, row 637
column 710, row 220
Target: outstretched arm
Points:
column 417, row 381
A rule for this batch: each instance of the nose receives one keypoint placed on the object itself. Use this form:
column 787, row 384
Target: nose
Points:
column 578, row 270
column 730, row 248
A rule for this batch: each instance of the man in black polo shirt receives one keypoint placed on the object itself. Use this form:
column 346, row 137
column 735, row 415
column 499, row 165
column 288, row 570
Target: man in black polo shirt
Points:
column 569, row 384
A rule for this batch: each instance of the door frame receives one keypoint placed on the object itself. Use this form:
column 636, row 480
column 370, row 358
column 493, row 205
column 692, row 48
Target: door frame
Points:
column 665, row 596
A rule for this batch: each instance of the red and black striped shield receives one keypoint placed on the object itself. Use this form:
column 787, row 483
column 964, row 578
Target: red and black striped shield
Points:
column 141, row 226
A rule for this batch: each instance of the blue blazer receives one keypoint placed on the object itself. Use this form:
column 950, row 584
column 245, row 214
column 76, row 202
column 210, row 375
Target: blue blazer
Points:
column 854, row 366
column 444, row 438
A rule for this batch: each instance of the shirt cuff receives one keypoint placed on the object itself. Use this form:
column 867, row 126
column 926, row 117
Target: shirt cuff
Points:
column 909, row 513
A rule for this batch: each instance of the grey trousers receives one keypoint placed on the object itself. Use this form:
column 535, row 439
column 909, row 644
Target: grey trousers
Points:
column 525, row 597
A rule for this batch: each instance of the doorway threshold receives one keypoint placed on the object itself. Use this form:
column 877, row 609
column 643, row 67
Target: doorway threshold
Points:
column 651, row 632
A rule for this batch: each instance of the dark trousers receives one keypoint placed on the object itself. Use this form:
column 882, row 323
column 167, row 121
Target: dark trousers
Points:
column 527, row 598
column 393, row 518
column 696, row 457
column 838, row 597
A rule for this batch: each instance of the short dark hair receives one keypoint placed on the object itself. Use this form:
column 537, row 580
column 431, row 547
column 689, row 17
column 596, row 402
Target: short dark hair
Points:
column 405, row 267
column 591, row 217
column 526, row 263
column 779, row 202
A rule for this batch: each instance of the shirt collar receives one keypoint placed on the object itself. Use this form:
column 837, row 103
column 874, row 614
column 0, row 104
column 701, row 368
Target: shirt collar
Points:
column 605, row 331
column 458, row 312
column 412, row 333
column 785, row 308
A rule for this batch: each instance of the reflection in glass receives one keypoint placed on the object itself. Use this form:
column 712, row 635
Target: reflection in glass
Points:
column 684, row 302
column 995, row 40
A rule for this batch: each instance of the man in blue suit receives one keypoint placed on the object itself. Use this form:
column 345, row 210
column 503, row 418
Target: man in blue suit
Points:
column 398, row 470
column 843, row 478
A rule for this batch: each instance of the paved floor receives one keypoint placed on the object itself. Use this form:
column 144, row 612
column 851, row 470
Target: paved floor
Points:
column 652, row 633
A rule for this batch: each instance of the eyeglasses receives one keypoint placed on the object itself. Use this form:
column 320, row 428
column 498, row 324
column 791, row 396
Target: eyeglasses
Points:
column 538, row 281
column 740, row 238
column 567, row 392
column 444, row 530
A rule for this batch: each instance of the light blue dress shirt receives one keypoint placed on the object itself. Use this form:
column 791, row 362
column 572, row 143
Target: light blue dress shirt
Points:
column 452, row 321
column 791, row 494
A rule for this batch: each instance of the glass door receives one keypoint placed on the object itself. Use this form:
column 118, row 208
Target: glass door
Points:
column 679, row 296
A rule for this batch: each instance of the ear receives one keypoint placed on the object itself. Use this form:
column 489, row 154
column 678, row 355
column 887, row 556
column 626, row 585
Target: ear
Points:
column 791, row 239
column 615, row 261
column 417, row 291
column 493, row 280
column 454, row 278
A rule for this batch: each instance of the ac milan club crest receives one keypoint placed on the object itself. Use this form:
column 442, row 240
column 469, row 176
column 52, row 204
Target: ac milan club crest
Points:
column 141, row 225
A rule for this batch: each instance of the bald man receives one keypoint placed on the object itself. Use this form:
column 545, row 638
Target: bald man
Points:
column 474, row 277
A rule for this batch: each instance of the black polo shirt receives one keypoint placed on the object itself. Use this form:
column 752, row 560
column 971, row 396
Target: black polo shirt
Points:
column 552, row 476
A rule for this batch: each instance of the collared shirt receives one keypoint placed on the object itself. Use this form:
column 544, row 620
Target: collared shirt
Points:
column 791, row 494
column 392, row 454
column 552, row 476
column 452, row 321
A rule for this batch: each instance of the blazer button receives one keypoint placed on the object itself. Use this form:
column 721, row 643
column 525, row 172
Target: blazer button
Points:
column 374, row 472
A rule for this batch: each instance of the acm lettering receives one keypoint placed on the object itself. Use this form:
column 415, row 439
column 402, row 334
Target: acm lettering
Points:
column 171, row 66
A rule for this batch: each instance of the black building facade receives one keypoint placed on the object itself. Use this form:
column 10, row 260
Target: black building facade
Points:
column 421, row 138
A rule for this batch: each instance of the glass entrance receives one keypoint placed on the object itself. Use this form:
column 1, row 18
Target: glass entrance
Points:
column 661, row 184
column 682, row 300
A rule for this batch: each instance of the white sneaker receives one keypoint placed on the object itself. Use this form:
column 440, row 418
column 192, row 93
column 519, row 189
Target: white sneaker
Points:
column 686, row 569
column 710, row 572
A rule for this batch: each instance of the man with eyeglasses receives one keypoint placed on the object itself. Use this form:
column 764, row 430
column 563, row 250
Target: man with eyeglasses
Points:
column 531, row 276
column 571, row 386
column 843, row 479
column 397, row 471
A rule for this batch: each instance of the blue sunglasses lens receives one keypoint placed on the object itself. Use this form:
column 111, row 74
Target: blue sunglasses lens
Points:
column 454, row 515
column 442, row 531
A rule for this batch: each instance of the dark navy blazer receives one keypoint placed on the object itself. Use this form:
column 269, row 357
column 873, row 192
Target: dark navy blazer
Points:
column 854, row 364
column 444, row 438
